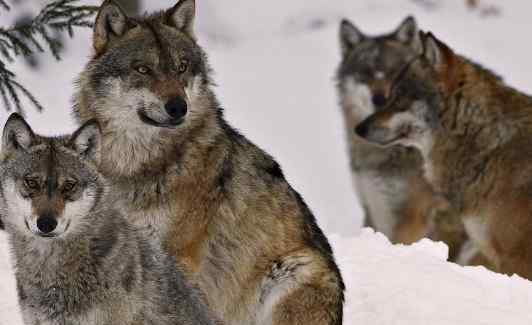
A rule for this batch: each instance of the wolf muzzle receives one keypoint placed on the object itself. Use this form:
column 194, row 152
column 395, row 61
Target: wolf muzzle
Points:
column 378, row 100
column 176, row 108
column 362, row 129
column 376, row 134
column 46, row 224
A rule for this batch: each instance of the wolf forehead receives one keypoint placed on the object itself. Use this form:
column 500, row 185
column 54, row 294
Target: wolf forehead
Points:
column 380, row 53
column 150, row 41
column 46, row 157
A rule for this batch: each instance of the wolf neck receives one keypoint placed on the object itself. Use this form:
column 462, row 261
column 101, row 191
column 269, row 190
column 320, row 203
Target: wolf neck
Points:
column 474, row 124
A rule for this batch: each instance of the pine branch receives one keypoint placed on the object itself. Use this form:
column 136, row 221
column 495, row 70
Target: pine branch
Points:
column 4, row 5
column 11, row 91
column 62, row 15
column 26, row 39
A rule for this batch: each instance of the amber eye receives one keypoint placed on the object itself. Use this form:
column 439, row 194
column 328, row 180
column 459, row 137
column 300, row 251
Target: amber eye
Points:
column 69, row 186
column 142, row 69
column 31, row 184
column 183, row 66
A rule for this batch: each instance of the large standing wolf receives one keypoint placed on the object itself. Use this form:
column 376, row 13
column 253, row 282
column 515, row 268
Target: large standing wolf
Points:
column 474, row 134
column 217, row 202
column 78, row 261
column 396, row 198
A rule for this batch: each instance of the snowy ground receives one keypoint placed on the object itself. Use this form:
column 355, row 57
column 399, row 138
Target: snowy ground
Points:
column 274, row 63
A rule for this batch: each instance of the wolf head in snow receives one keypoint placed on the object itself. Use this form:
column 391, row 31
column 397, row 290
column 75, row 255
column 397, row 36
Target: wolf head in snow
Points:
column 370, row 64
column 48, row 184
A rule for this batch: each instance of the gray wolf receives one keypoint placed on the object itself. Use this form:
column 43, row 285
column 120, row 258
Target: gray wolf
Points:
column 473, row 131
column 396, row 198
column 213, row 199
column 78, row 261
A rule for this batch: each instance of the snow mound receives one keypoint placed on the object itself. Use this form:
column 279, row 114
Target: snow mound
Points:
column 413, row 285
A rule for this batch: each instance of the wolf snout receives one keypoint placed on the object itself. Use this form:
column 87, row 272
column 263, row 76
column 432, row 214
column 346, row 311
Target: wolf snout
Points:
column 46, row 223
column 379, row 100
column 362, row 129
column 176, row 108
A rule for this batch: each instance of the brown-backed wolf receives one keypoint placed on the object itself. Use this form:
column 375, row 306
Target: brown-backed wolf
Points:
column 78, row 261
column 396, row 198
column 474, row 133
column 217, row 202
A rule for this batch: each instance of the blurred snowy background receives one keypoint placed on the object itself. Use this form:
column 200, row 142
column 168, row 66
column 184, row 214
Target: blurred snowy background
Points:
column 275, row 63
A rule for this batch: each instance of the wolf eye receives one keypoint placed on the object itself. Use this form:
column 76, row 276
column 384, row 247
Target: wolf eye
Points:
column 69, row 186
column 142, row 69
column 183, row 66
column 31, row 184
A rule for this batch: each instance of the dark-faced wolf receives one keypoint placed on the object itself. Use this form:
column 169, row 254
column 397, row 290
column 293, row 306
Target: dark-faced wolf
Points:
column 474, row 134
column 216, row 202
column 78, row 261
column 397, row 200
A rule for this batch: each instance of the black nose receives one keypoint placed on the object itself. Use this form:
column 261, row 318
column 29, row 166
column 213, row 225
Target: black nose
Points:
column 46, row 224
column 378, row 100
column 362, row 129
column 176, row 108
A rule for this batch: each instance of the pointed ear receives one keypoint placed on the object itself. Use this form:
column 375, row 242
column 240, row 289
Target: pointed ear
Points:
column 17, row 134
column 111, row 23
column 407, row 30
column 182, row 16
column 350, row 36
column 408, row 33
column 86, row 141
column 435, row 51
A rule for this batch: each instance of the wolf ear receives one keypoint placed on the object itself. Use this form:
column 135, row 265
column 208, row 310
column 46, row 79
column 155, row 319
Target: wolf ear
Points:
column 182, row 16
column 17, row 134
column 86, row 141
column 434, row 51
column 408, row 33
column 407, row 30
column 111, row 23
column 350, row 36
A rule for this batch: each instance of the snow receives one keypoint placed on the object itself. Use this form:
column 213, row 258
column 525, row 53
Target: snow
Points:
column 9, row 309
column 275, row 62
column 415, row 285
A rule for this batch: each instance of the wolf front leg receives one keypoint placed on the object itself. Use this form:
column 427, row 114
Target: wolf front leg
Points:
column 302, row 289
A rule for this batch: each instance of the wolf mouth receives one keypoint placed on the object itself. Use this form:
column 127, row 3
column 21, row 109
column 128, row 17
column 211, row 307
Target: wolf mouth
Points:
column 390, row 142
column 51, row 235
column 396, row 139
column 169, row 124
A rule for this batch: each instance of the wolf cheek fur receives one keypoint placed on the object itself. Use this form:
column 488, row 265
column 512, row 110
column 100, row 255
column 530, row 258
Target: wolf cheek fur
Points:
column 218, row 203
column 78, row 261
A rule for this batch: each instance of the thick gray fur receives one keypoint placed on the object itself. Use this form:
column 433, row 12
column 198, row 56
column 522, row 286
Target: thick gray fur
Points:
column 101, row 270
